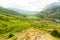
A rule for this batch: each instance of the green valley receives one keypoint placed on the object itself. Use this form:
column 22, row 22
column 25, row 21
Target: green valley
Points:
column 17, row 26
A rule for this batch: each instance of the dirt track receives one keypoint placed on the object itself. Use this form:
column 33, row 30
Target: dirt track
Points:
column 34, row 34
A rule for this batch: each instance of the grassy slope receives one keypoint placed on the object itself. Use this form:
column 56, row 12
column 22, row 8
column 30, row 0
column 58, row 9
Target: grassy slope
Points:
column 11, row 24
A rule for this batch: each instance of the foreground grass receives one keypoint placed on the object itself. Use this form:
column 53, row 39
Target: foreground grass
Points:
column 11, row 26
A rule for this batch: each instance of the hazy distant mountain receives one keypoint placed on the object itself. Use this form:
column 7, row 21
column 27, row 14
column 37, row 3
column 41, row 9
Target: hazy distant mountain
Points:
column 52, row 11
column 25, row 12
column 53, row 7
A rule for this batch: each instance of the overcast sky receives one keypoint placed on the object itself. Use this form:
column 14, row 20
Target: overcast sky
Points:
column 30, row 5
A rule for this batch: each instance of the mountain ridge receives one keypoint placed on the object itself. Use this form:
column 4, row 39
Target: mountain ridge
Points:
column 51, row 11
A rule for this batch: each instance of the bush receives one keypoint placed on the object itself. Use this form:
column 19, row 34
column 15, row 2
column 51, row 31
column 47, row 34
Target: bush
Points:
column 11, row 35
column 55, row 33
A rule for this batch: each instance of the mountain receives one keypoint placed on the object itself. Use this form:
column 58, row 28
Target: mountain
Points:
column 24, row 12
column 51, row 11
column 7, row 11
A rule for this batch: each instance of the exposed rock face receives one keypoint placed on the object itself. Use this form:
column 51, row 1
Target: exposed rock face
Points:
column 34, row 34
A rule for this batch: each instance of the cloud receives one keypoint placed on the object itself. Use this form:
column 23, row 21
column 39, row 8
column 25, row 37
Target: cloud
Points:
column 31, row 5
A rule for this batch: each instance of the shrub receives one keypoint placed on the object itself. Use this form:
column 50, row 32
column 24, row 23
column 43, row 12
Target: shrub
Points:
column 55, row 33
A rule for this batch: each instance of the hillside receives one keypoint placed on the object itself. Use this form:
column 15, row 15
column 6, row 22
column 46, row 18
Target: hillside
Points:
column 10, row 12
column 13, row 25
column 51, row 11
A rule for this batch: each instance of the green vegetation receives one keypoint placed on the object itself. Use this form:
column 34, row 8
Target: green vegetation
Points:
column 12, row 23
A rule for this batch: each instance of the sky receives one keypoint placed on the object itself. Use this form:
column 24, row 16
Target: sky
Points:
column 29, row 5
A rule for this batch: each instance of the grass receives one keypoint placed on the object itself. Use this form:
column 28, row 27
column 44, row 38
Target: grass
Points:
column 14, row 25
